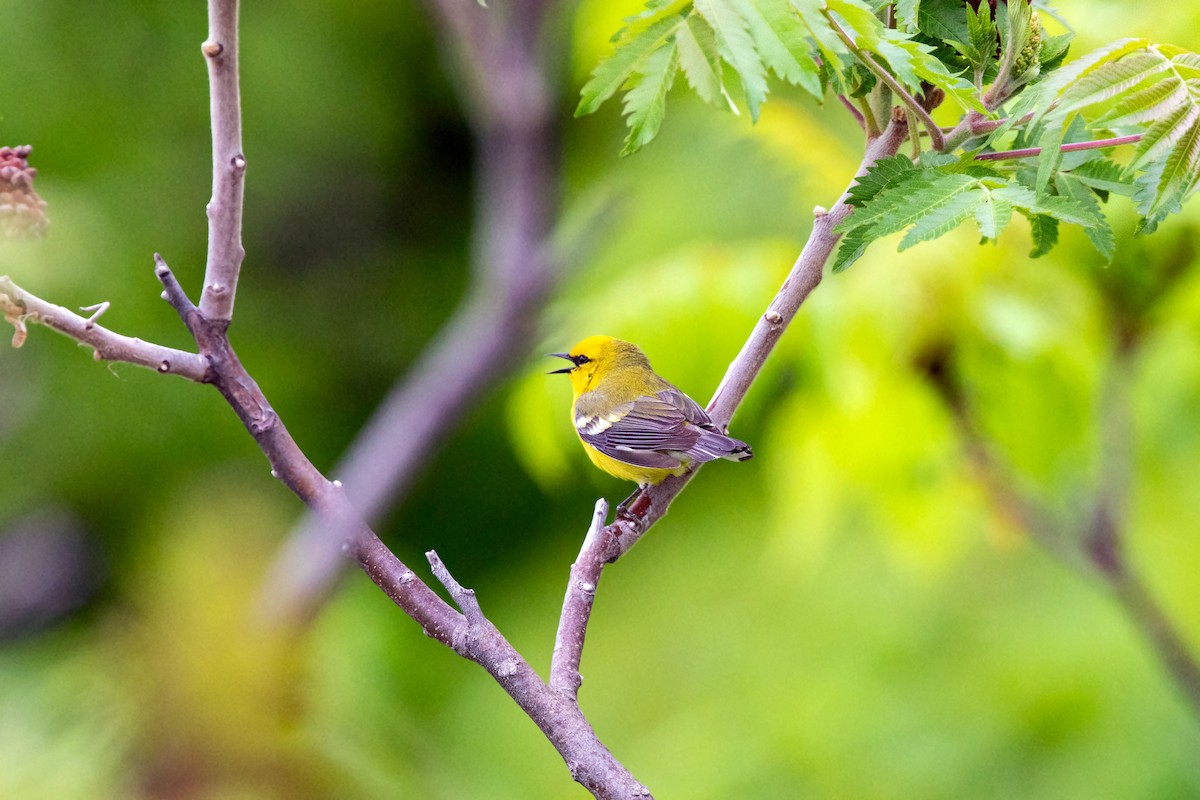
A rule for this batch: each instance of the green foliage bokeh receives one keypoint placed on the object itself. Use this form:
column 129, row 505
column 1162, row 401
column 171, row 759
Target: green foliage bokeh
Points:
column 843, row 616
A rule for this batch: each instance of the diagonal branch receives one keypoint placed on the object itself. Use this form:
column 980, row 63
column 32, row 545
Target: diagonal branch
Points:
column 805, row 276
column 606, row 544
column 1095, row 548
column 513, row 266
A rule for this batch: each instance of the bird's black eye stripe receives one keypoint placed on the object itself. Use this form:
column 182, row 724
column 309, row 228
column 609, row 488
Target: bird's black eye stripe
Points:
column 580, row 360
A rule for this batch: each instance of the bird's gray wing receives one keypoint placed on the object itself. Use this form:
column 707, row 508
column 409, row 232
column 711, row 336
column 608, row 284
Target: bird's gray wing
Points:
column 649, row 431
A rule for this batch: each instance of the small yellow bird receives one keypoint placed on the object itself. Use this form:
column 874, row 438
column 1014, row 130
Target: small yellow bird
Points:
column 633, row 424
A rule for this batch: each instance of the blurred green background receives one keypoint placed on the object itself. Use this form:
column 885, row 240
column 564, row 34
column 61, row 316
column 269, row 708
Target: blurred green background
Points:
column 844, row 616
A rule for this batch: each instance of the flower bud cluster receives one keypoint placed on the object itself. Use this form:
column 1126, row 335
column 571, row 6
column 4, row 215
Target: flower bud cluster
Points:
column 22, row 212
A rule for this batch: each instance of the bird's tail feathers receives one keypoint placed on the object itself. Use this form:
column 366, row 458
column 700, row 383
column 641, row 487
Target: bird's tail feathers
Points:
column 717, row 445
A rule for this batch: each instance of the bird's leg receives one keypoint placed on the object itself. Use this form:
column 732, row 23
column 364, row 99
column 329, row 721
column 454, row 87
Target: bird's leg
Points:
column 635, row 506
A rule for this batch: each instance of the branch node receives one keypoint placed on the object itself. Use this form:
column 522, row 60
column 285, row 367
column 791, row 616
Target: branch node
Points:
column 820, row 211
column 172, row 292
column 212, row 49
column 238, row 163
column 336, row 484
column 463, row 597
column 773, row 317
column 164, row 367
column 97, row 310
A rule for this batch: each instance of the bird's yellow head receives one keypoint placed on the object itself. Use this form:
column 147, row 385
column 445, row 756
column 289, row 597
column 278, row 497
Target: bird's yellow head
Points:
column 597, row 356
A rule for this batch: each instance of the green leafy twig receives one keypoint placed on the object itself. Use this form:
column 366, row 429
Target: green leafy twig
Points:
column 937, row 141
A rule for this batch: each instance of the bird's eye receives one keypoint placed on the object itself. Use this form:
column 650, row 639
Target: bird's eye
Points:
column 581, row 360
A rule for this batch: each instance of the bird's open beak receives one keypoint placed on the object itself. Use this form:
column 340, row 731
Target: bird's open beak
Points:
column 567, row 356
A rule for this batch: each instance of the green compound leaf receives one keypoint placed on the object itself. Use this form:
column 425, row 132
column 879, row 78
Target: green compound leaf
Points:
column 612, row 73
column 701, row 62
column 1044, row 229
column 646, row 100
column 736, row 46
column 782, row 42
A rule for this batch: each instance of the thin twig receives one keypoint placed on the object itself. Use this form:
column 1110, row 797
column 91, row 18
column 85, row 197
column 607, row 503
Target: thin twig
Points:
column 463, row 597
column 1070, row 147
column 577, row 606
column 854, row 112
column 97, row 310
column 19, row 306
column 225, row 251
column 1097, row 550
column 1161, row 633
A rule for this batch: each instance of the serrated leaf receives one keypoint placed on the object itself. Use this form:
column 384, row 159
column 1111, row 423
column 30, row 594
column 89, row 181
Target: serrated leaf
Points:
column 611, row 73
column 906, row 14
column 782, row 42
column 908, row 200
column 833, row 50
column 701, row 63
column 939, row 218
column 981, row 37
column 737, row 47
column 1098, row 231
column 943, row 19
column 1054, row 50
column 932, row 158
column 1044, row 230
column 1146, row 104
column 858, row 16
column 853, row 245
column 882, row 173
column 992, row 214
column 1103, row 175
column 1111, row 79
column 1045, row 93
column 1179, row 174
column 1064, row 209
column 957, row 88
column 1048, row 161
column 1153, row 208
column 1163, row 134
column 1085, row 64
column 646, row 100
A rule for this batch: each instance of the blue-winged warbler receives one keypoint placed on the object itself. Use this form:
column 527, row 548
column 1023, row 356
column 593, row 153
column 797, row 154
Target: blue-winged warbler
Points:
column 633, row 424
